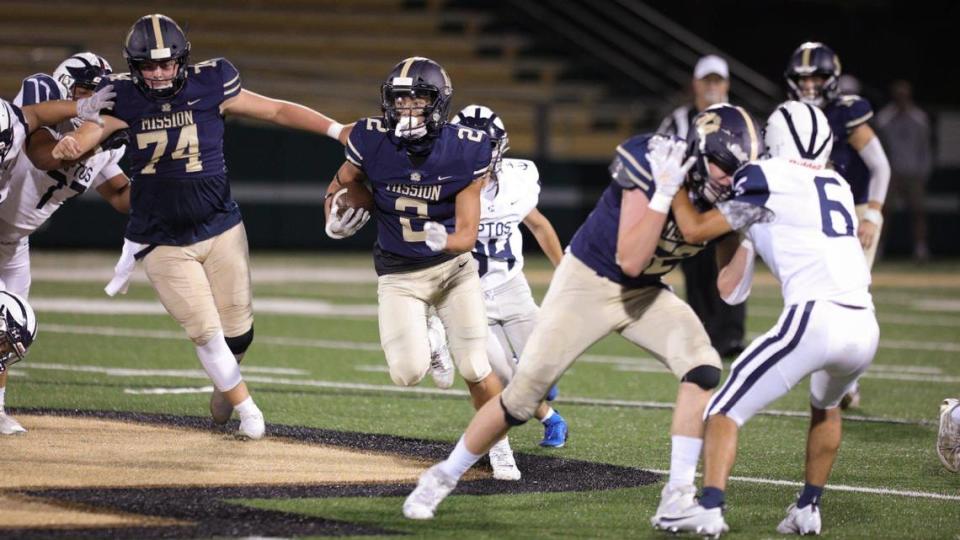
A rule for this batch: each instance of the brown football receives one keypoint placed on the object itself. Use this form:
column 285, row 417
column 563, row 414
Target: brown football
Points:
column 357, row 196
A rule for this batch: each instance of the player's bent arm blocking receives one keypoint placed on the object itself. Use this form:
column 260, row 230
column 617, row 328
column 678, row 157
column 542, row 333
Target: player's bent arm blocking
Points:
column 284, row 113
column 545, row 234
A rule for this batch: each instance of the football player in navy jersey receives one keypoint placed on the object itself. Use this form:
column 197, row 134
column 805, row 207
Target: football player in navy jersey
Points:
column 426, row 176
column 813, row 77
column 609, row 280
column 184, row 223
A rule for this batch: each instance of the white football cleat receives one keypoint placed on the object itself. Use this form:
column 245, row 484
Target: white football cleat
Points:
column 251, row 426
column 432, row 488
column 220, row 408
column 948, row 439
column 802, row 521
column 502, row 461
column 673, row 500
column 695, row 519
column 9, row 425
column 441, row 365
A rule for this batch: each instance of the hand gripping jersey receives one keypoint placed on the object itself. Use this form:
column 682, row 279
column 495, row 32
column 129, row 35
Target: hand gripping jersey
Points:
column 503, row 205
column 34, row 195
column 180, row 194
column 807, row 232
column 408, row 195
column 13, row 152
column 845, row 114
column 595, row 243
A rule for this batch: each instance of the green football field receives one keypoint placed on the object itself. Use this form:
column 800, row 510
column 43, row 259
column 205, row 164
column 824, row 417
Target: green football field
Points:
column 316, row 363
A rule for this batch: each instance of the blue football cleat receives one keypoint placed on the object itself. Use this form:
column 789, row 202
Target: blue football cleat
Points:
column 553, row 393
column 554, row 432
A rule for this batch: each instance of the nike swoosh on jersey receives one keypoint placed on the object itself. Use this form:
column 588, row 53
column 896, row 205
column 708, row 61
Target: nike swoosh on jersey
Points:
column 193, row 102
column 442, row 178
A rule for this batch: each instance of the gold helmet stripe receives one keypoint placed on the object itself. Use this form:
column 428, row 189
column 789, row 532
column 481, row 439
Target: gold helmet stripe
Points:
column 751, row 130
column 156, row 30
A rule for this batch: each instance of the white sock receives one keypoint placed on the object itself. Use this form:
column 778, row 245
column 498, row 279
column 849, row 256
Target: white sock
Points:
column 684, row 455
column 955, row 413
column 3, row 393
column 247, row 408
column 459, row 460
column 219, row 363
column 546, row 417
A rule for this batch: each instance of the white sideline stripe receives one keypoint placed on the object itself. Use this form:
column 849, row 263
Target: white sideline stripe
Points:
column 258, row 274
column 200, row 374
column 161, row 391
column 838, row 487
column 279, row 306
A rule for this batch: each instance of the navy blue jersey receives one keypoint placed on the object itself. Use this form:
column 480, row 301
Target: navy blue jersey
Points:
column 845, row 114
column 408, row 195
column 595, row 243
column 180, row 194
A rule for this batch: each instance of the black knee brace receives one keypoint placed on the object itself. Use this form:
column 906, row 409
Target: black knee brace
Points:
column 511, row 420
column 706, row 377
column 240, row 344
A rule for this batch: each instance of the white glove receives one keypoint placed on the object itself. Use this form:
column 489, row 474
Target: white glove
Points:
column 436, row 235
column 89, row 108
column 352, row 220
column 666, row 164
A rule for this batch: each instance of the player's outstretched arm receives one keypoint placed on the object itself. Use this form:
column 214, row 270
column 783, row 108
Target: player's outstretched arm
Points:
column 464, row 236
column 735, row 279
column 545, row 234
column 284, row 113
column 695, row 227
column 116, row 191
column 84, row 139
column 867, row 144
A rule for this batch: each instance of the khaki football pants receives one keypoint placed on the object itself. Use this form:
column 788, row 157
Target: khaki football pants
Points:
column 582, row 307
column 205, row 286
column 453, row 288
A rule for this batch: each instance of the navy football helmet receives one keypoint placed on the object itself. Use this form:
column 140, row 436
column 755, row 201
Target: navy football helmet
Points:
column 484, row 119
column 810, row 59
column 18, row 328
column 157, row 38
column 417, row 77
column 728, row 137
column 82, row 69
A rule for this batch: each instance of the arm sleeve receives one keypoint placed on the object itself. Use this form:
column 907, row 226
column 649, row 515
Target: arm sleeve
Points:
column 876, row 161
column 741, row 292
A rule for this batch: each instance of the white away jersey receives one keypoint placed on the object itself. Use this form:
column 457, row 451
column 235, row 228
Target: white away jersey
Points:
column 34, row 195
column 503, row 205
column 14, row 154
column 808, row 235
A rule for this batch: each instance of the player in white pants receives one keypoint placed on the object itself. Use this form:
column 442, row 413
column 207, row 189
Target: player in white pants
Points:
column 509, row 198
column 38, row 186
column 799, row 216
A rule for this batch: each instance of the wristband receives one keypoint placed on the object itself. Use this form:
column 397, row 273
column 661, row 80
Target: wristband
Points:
column 873, row 216
column 334, row 130
column 660, row 203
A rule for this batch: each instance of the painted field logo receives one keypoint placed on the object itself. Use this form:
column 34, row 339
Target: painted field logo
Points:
column 132, row 475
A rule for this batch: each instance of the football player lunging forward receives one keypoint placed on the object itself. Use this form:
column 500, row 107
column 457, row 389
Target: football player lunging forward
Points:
column 813, row 76
column 509, row 198
column 40, row 185
column 183, row 217
column 426, row 176
column 17, row 124
column 610, row 281
column 799, row 216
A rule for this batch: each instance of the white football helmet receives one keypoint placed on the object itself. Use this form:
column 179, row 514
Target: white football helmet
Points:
column 799, row 132
column 484, row 119
column 18, row 328
column 7, row 122
column 83, row 69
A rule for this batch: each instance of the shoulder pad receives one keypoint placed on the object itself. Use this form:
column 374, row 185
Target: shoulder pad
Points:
column 38, row 88
column 856, row 110
column 750, row 185
column 522, row 171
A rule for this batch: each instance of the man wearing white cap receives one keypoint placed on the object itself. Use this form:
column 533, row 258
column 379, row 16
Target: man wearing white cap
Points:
column 724, row 323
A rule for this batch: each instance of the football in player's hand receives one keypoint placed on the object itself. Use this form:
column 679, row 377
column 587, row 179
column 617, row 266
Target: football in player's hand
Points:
column 357, row 196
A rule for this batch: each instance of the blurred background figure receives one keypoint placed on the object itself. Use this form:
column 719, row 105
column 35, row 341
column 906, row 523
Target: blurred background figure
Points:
column 724, row 323
column 849, row 85
column 905, row 131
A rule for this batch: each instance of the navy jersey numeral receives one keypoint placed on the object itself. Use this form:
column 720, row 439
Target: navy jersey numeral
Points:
column 829, row 206
column 61, row 180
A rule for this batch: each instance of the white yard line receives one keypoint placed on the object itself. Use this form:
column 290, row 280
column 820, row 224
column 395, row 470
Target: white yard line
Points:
column 839, row 487
column 314, row 383
column 276, row 306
